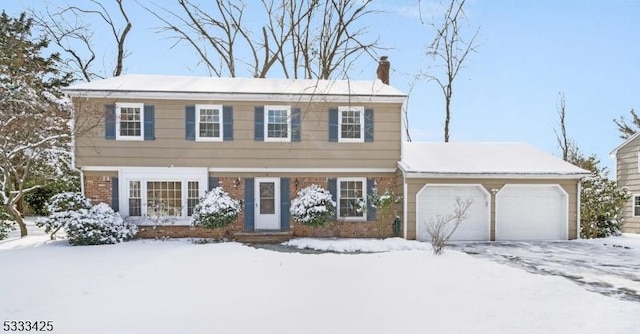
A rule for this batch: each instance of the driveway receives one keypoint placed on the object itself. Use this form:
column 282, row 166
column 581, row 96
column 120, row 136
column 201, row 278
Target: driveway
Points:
column 607, row 268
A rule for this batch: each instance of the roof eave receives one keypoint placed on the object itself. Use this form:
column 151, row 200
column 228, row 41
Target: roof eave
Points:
column 494, row 175
column 230, row 96
column 613, row 153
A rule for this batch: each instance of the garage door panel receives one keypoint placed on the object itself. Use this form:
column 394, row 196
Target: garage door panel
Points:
column 531, row 212
column 437, row 200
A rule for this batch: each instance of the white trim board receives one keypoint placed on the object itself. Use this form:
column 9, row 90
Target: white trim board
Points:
column 196, row 96
column 251, row 169
column 299, row 170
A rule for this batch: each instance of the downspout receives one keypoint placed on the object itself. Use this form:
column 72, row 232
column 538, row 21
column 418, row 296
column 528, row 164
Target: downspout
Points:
column 404, row 206
column 578, row 208
column 73, row 146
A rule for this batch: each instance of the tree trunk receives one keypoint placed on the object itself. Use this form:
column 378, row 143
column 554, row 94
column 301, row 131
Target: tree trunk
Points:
column 447, row 119
column 18, row 218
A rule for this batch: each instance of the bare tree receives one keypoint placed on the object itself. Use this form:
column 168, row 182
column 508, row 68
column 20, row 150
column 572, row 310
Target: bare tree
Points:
column 306, row 38
column 562, row 138
column 442, row 228
column 627, row 130
column 449, row 50
column 67, row 28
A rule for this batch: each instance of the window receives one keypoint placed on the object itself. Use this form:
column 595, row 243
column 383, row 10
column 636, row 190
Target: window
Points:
column 193, row 196
column 351, row 124
column 636, row 206
column 164, row 198
column 277, row 125
column 352, row 198
column 135, row 200
column 129, row 121
column 209, row 123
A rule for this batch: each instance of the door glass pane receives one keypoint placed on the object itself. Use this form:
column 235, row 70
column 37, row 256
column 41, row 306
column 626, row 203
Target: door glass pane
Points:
column 267, row 198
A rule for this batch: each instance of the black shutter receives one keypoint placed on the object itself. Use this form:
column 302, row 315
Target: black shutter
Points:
column 190, row 122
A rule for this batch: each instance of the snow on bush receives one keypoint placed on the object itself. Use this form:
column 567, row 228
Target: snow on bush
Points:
column 98, row 226
column 601, row 206
column 313, row 206
column 61, row 207
column 6, row 225
column 215, row 209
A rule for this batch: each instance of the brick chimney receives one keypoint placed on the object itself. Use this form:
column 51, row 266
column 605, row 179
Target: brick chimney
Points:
column 383, row 70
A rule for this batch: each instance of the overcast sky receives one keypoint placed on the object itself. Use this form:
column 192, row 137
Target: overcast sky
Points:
column 529, row 52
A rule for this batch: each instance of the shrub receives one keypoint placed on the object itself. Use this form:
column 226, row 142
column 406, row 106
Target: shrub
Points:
column 215, row 209
column 601, row 206
column 442, row 228
column 39, row 198
column 6, row 224
column 313, row 206
column 61, row 208
column 98, row 226
column 386, row 206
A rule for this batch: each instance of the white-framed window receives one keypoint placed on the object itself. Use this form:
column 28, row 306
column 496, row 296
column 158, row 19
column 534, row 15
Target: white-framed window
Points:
column 193, row 196
column 351, row 124
column 164, row 198
column 352, row 198
column 129, row 121
column 154, row 198
column 154, row 192
column 209, row 122
column 277, row 123
column 135, row 199
column 636, row 205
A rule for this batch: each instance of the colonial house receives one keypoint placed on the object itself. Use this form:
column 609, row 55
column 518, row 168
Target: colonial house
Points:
column 627, row 156
column 171, row 138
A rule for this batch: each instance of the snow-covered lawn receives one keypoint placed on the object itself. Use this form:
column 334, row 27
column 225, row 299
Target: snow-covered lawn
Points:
column 179, row 287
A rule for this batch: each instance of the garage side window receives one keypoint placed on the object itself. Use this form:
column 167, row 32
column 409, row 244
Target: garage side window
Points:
column 636, row 206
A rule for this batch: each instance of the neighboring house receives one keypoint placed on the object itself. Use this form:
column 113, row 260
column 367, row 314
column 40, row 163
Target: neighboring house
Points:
column 627, row 157
column 170, row 138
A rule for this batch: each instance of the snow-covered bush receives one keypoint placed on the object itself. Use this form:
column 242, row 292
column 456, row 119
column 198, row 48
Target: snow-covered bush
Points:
column 215, row 209
column 313, row 206
column 601, row 206
column 98, row 226
column 61, row 208
column 385, row 205
column 6, row 225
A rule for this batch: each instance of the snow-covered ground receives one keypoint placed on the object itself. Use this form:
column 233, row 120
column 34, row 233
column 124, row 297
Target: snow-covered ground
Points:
column 610, row 266
column 179, row 287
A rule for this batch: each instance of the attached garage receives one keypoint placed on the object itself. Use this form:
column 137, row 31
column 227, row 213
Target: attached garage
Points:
column 532, row 212
column 438, row 200
column 519, row 192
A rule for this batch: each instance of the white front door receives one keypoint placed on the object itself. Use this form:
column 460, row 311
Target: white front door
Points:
column 267, row 193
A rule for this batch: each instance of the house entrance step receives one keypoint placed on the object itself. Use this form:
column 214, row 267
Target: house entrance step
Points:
column 263, row 237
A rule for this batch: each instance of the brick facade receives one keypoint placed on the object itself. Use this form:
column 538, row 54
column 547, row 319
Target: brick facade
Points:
column 98, row 190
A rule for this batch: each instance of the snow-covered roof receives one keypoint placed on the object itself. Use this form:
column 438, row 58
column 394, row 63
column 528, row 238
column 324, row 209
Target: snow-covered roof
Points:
column 483, row 159
column 193, row 87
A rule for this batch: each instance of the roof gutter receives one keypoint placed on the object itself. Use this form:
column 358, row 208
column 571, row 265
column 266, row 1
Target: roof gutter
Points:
column 231, row 96
column 494, row 175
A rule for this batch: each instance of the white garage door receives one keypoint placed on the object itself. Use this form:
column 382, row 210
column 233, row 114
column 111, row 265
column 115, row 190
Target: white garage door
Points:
column 531, row 212
column 434, row 200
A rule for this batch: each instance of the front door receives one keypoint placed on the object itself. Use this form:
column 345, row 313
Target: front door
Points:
column 267, row 192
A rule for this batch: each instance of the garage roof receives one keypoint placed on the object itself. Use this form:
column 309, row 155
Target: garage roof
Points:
column 483, row 160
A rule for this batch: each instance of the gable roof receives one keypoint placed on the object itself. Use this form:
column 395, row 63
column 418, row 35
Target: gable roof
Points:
column 630, row 139
column 483, row 160
column 247, row 89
